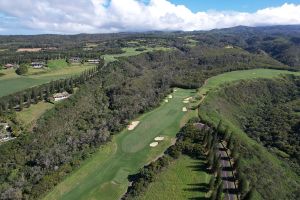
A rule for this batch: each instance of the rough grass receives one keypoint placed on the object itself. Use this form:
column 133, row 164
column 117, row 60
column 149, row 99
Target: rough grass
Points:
column 183, row 179
column 104, row 175
column 28, row 116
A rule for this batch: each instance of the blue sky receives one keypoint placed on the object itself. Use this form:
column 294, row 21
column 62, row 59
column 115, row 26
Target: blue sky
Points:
column 106, row 16
column 232, row 5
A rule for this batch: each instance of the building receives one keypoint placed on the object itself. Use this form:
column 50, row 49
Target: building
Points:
column 61, row 96
column 75, row 60
column 5, row 131
column 93, row 61
column 9, row 66
column 37, row 65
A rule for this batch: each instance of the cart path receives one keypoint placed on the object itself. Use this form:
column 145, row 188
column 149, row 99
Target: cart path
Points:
column 227, row 174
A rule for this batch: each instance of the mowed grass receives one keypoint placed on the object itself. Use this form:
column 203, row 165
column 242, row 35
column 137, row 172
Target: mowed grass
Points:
column 28, row 116
column 182, row 180
column 104, row 175
column 58, row 63
column 10, row 82
column 131, row 51
column 217, row 81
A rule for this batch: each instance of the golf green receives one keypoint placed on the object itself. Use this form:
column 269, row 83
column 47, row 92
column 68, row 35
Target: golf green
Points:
column 104, row 175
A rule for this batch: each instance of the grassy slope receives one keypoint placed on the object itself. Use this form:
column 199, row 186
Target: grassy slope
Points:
column 11, row 82
column 182, row 180
column 104, row 175
column 215, row 108
column 28, row 116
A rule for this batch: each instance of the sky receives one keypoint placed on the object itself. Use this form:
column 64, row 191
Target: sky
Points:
column 105, row 16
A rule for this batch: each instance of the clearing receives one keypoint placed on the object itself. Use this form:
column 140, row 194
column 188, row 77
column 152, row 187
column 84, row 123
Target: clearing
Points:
column 183, row 179
column 105, row 173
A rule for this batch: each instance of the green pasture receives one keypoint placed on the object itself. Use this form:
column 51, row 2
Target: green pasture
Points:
column 10, row 82
column 183, row 179
column 104, row 175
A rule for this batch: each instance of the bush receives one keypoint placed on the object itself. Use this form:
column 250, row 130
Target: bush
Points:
column 23, row 69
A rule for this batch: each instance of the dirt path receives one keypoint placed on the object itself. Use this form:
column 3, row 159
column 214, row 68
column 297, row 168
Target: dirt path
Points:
column 229, row 187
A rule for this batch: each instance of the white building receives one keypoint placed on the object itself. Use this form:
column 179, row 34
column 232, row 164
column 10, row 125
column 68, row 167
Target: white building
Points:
column 61, row 96
column 37, row 65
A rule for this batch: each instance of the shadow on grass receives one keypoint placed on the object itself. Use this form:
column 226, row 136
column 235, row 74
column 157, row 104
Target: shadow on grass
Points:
column 199, row 166
column 197, row 187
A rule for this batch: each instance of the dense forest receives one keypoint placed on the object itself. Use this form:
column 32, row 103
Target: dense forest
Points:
column 271, row 114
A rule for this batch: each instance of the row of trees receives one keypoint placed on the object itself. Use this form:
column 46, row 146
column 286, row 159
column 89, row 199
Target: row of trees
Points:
column 212, row 141
column 44, row 92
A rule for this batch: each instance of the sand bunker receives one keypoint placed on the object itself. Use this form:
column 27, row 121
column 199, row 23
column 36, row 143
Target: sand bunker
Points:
column 153, row 144
column 184, row 109
column 185, row 101
column 189, row 98
column 133, row 125
column 166, row 100
column 159, row 138
column 170, row 96
column 175, row 90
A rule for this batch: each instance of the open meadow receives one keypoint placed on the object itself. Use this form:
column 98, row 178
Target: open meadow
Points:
column 104, row 175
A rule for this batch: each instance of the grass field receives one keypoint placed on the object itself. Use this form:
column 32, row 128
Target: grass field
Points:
column 28, row 116
column 129, row 51
column 182, row 180
column 10, row 82
column 104, row 175
column 56, row 64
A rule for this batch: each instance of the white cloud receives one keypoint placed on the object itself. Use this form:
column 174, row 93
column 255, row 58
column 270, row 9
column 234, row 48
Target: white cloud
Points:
column 90, row 16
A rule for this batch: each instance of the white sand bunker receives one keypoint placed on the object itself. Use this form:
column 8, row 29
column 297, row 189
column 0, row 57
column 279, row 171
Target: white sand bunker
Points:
column 166, row 100
column 133, row 125
column 189, row 98
column 184, row 109
column 159, row 138
column 153, row 144
column 170, row 96
column 185, row 101
column 175, row 90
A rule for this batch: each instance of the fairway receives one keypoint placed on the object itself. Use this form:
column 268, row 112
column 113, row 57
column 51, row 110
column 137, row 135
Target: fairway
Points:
column 183, row 179
column 104, row 175
column 11, row 82
column 216, row 81
column 130, row 51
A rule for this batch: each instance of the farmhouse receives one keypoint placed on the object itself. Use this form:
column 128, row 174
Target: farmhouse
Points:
column 61, row 96
column 8, row 66
column 37, row 65
column 93, row 61
column 75, row 59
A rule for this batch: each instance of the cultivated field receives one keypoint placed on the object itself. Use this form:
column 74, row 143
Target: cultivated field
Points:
column 104, row 175
column 183, row 179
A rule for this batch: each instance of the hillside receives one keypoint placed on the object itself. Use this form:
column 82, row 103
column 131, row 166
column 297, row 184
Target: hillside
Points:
column 264, row 117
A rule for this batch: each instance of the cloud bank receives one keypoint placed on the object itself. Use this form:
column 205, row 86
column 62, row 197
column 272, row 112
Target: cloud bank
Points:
column 93, row 16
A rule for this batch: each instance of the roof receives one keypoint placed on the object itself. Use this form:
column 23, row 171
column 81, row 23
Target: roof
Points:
column 60, row 95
